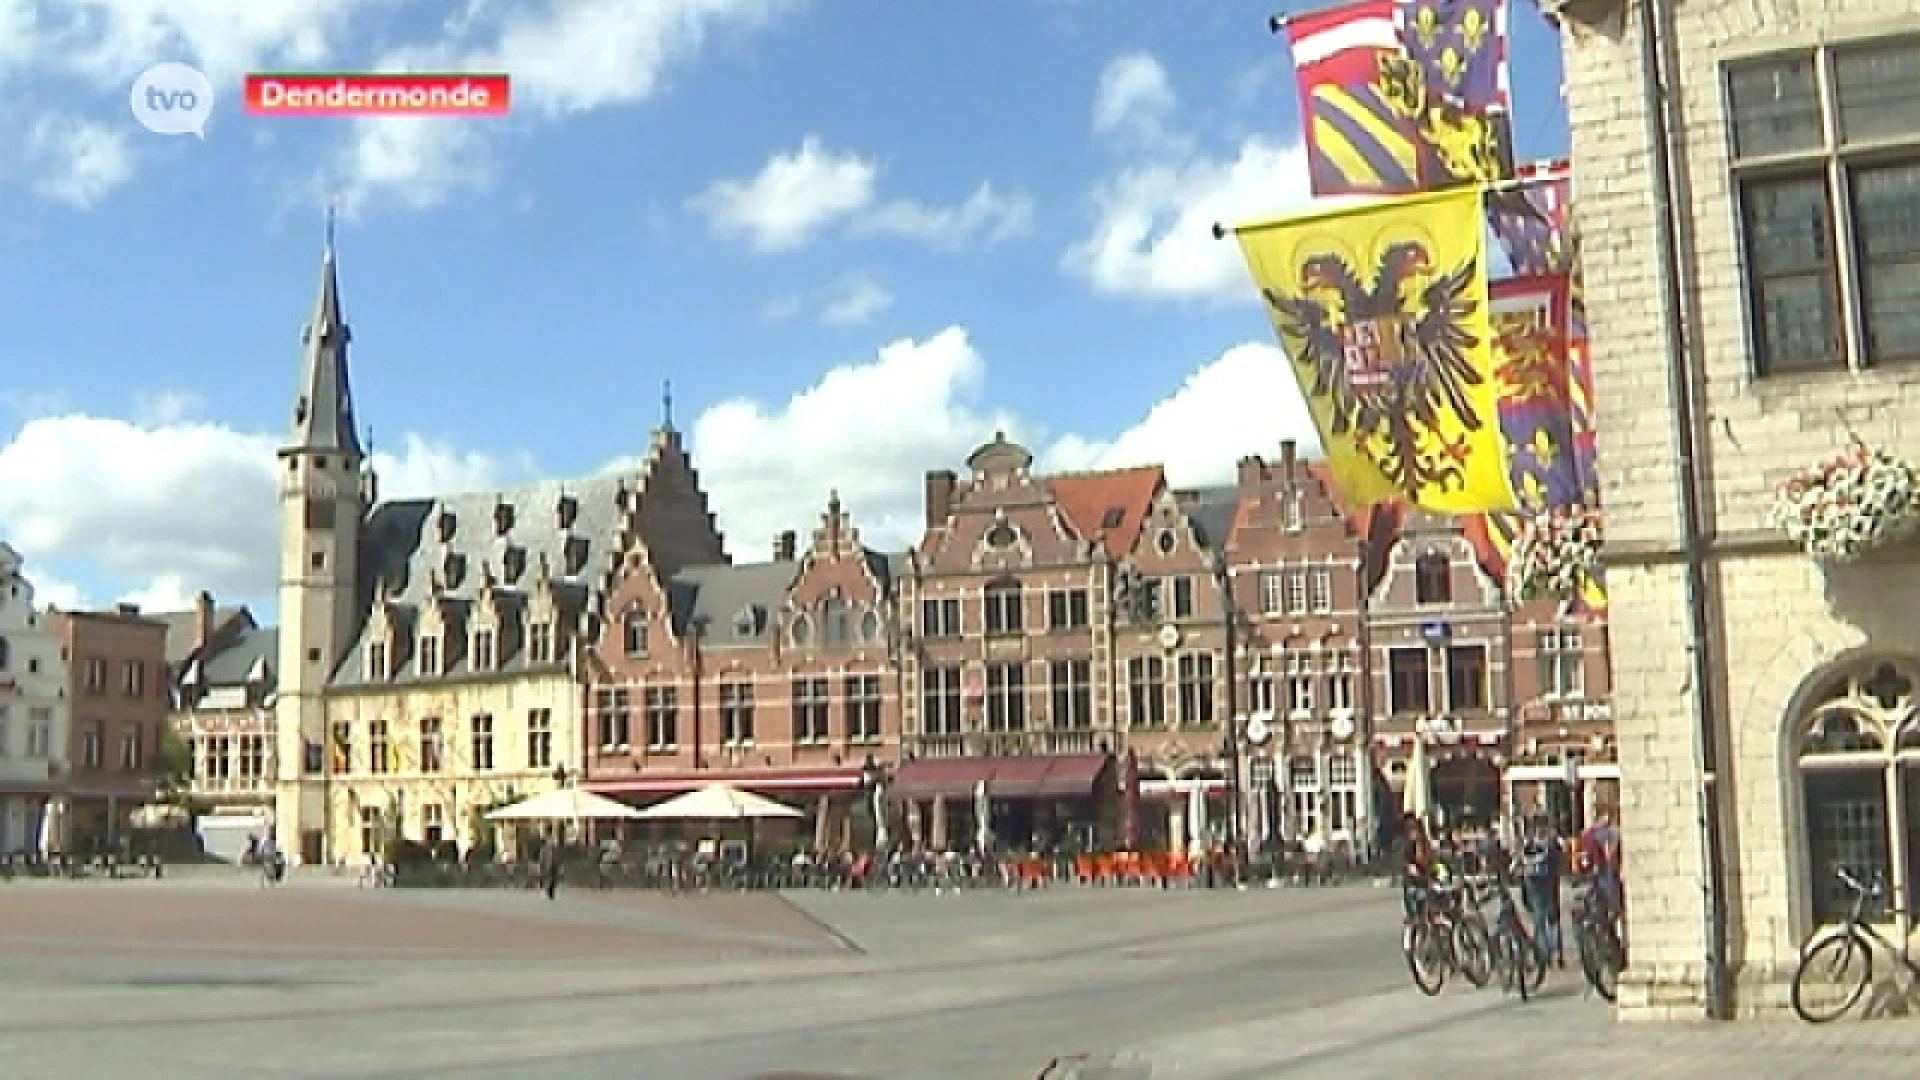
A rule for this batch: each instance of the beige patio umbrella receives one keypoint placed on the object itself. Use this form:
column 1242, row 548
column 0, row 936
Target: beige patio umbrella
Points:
column 718, row 802
column 565, row 804
column 937, row 839
column 1417, row 797
column 823, row 825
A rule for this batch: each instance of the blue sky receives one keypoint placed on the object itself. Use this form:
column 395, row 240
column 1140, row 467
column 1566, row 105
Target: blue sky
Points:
column 856, row 235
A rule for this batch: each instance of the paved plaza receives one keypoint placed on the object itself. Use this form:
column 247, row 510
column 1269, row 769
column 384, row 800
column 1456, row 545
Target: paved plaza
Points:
column 209, row 979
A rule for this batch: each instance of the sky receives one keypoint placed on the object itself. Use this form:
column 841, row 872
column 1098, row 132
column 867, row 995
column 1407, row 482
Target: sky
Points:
column 857, row 236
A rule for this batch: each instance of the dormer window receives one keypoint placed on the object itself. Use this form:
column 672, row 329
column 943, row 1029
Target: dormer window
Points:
column 1113, row 517
column 748, row 621
column 1294, row 512
column 633, row 632
column 429, row 655
column 567, row 511
column 444, row 526
column 513, row 563
column 377, row 663
column 574, row 555
column 502, row 519
column 837, row 617
column 483, row 650
column 540, row 642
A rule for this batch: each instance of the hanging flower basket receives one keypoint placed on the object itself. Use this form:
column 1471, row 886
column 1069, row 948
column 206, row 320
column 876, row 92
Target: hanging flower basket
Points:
column 1843, row 508
column 1555, row 555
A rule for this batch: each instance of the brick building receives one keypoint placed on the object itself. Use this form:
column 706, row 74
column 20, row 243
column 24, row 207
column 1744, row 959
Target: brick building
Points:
column 118, row 690
column 777, row 676
column 1755, row 690
column 1009, row 665
column 1298, row 568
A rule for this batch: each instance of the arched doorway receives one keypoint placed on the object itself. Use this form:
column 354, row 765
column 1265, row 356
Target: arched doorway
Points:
column 1466, row 791
column 1858, row 751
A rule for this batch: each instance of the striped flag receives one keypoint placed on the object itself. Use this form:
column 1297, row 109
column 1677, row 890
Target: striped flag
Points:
column 1359, row 140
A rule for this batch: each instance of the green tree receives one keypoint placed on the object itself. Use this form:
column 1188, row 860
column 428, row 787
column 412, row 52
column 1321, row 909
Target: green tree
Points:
column 175, row 779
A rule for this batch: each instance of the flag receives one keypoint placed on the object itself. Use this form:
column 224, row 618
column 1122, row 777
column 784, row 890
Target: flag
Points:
column 1532, row 219
column 1461, row 47
column 1383, row 309
column 1530, row 346
column 1359, row 139
column 1457, row 51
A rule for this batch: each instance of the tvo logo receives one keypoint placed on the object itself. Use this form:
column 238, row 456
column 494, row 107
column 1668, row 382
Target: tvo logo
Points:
column 172, row 99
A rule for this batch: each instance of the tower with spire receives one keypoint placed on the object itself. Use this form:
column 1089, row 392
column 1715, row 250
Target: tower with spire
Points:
column 324, row 492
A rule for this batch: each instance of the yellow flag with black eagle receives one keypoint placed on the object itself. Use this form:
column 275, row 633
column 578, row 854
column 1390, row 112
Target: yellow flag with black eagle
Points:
column 1383, row 309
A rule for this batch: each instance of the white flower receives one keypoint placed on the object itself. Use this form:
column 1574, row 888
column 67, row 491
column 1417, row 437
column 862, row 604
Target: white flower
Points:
column 1843, row 508
column 1555, row 554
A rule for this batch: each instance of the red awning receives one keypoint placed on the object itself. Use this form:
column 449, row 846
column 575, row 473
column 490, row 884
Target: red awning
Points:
column 818, row 781
column 1063, row 776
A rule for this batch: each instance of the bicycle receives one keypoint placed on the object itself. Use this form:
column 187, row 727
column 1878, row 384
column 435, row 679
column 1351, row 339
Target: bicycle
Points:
column 1521, row 960
column 1446, row 936
column 377, row 875
column 273, row 871
column 1853, row 939
column 1596, row 937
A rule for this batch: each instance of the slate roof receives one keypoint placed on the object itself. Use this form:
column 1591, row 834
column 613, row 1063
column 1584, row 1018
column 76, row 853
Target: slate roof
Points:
column 411, row 547
column 1212, row 510
column 740, row 604
column 252, row 649
column 183, row 630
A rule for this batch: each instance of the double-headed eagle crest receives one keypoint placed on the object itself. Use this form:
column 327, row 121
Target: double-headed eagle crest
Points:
column 1393, row 357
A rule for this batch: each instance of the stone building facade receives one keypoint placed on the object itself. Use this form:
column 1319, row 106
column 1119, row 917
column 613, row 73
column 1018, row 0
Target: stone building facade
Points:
column 1796, row 175
column 34, row 718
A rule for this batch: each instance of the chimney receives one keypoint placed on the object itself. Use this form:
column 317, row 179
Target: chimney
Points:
column 1251, row 477
column 785, row 545
column 203, row 618
column 1289, row 458
column 940, row 485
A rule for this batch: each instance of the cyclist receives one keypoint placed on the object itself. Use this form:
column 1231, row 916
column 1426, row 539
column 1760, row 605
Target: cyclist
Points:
column 1540, row 861
column 1599, row 852
column 1415, row 857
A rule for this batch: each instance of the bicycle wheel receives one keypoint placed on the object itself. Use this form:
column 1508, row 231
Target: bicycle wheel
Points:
column 1473, row 951
column 1822, row 988
column 1425, row 947
column 1529, row 962
column 1600, row 960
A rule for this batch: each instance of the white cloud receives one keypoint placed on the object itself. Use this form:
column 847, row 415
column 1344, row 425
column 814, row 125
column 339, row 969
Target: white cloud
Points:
column 1152, row 230
column 855, row 300
column 191, row 503
column 871, row 430
column 78, row 162
column 800, row 193
column 109, row 41
column 582, row 54
column 1153, row 233
column 1245, row 402
column 986, row 216
column 1134, row 97
column 792, row 197
column 565, row 56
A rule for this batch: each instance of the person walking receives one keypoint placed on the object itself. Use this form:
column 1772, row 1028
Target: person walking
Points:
column 550, row 864
column 1541, row 858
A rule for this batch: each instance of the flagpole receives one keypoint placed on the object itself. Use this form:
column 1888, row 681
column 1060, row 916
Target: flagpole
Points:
column 1517, row 183
column 1278, row 23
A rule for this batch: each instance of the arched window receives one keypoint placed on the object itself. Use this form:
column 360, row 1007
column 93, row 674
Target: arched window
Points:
column 1002, row 600
column 1859, row 759
column 633, row 631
